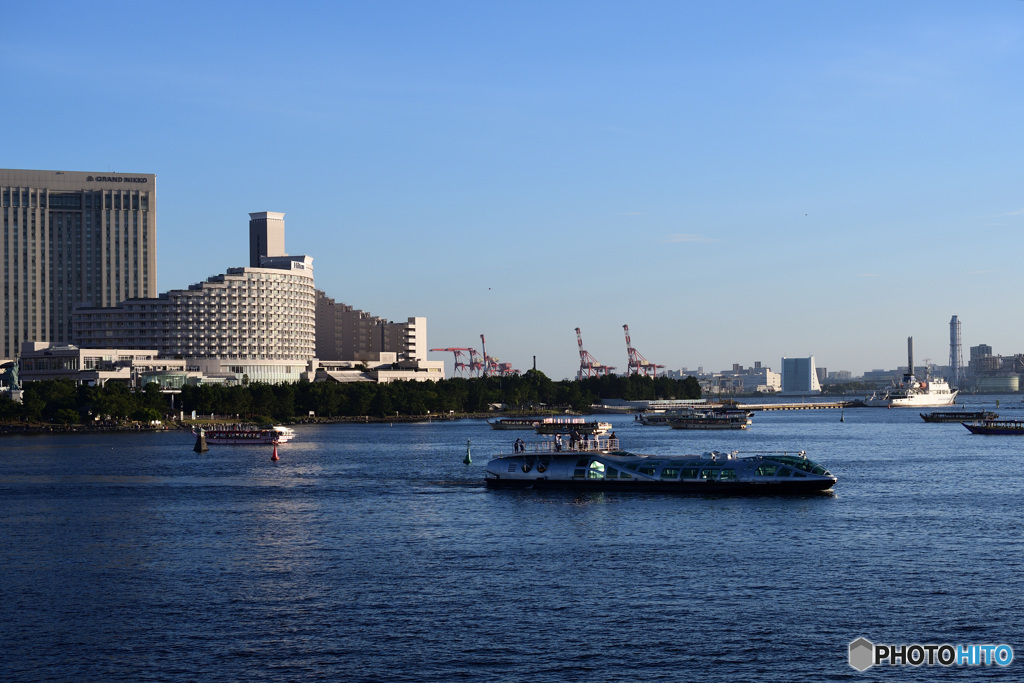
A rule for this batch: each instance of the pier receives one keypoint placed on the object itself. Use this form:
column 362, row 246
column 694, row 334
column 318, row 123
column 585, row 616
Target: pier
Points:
column 816, row 405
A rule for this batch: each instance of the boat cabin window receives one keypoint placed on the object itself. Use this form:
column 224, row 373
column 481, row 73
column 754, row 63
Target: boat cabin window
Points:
column 767, row 470
column 709, row 473
column 689, row 473
column 670, row 473
column 596, row 470
column 784, row 472
column 611, row 473
column 647, row 469
column 728, row 474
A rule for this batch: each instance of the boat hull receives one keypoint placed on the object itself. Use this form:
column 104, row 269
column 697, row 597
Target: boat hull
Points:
column 589, row 469
column 709, row 425
column 708, row 488
column 958, row 416
column 995, row 427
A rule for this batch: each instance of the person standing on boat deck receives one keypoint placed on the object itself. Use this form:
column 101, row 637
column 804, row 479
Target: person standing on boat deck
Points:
column 574, row 440
column 558, row 442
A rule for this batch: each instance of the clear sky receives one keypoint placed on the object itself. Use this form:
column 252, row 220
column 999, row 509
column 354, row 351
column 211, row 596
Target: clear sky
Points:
column 737, row 180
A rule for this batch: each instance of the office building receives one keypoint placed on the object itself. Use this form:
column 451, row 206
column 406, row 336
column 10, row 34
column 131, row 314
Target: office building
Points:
column 799, row 377
column 72, row 238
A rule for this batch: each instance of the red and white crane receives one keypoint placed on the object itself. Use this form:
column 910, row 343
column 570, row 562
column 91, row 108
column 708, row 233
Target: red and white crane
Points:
column 638, row 365
column 589, row 367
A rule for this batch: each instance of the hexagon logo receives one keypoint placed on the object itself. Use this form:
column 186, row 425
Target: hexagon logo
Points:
column 862, row 654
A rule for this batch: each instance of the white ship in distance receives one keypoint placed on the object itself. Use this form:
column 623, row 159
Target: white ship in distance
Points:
column 912, row 393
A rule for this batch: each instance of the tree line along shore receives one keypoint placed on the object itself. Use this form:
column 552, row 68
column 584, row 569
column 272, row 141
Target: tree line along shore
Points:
column 59, row 405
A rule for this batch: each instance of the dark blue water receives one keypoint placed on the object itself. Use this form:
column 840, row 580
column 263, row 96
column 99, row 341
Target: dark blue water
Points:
column 370, row 552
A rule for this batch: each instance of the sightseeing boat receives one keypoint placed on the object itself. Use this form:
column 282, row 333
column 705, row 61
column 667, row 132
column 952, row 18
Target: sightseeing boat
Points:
column 515, row 423
column 959, row 416
column 566, row 425
column 240, row 434
column 1015, row 427
column 712, row 419
column 599, row 465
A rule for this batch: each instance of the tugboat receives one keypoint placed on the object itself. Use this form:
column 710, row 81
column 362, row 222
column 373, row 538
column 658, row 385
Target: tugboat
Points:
column 599, row 465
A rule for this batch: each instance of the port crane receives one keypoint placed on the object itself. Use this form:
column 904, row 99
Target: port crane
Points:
column 462, row 368
column 638, row 365
column 589, row 367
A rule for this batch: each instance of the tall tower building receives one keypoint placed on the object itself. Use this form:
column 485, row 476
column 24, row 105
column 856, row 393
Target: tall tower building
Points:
column 799, row 377
column 266, row 236
column 72, row 238
column 956, row 354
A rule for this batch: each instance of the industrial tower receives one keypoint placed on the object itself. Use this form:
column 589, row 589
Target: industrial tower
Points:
column 589, row 367
column 956, row 353
column 638, row 364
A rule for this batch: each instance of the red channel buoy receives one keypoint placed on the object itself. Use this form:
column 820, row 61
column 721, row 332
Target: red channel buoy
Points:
column 274, row 456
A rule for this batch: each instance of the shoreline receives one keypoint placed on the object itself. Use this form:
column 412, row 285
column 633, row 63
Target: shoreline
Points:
column 11, row 428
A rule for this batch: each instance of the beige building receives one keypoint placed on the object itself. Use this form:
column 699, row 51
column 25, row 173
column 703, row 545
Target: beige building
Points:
column 346, row 333
column 72, row 238
column 95, row 367
column 257, row 323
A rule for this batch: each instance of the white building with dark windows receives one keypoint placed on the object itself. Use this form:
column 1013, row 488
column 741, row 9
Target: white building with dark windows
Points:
column 256, row 323
column 799, row 377
column 72, row 238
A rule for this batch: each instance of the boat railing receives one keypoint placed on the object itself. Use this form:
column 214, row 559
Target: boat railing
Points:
column 583, row 445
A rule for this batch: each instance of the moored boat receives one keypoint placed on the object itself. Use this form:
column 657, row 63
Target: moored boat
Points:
column 1014, row 427
column 241, row 434
column 913, row 393
column 959, row 416
column 601, row 466
column 714, row 419
column 515, row 423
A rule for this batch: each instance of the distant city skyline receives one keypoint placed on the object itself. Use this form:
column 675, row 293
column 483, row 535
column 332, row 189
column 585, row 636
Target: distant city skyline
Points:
column 736, row 182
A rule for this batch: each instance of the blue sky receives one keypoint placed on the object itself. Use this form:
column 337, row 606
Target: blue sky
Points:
column 736, row 181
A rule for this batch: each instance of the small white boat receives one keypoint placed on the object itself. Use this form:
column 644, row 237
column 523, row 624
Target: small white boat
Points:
column 240, row 434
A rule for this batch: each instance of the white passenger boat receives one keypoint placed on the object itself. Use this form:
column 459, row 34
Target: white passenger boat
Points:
column 240, row 434
column 599, row 465
column 567, row 425
column 913, row 393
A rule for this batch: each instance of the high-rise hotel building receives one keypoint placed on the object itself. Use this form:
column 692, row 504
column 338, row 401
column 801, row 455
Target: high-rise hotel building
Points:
column 258, row 322
column 72, row 238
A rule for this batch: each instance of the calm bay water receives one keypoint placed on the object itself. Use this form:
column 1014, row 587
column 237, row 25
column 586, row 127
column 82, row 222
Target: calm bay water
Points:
column 371, row 552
